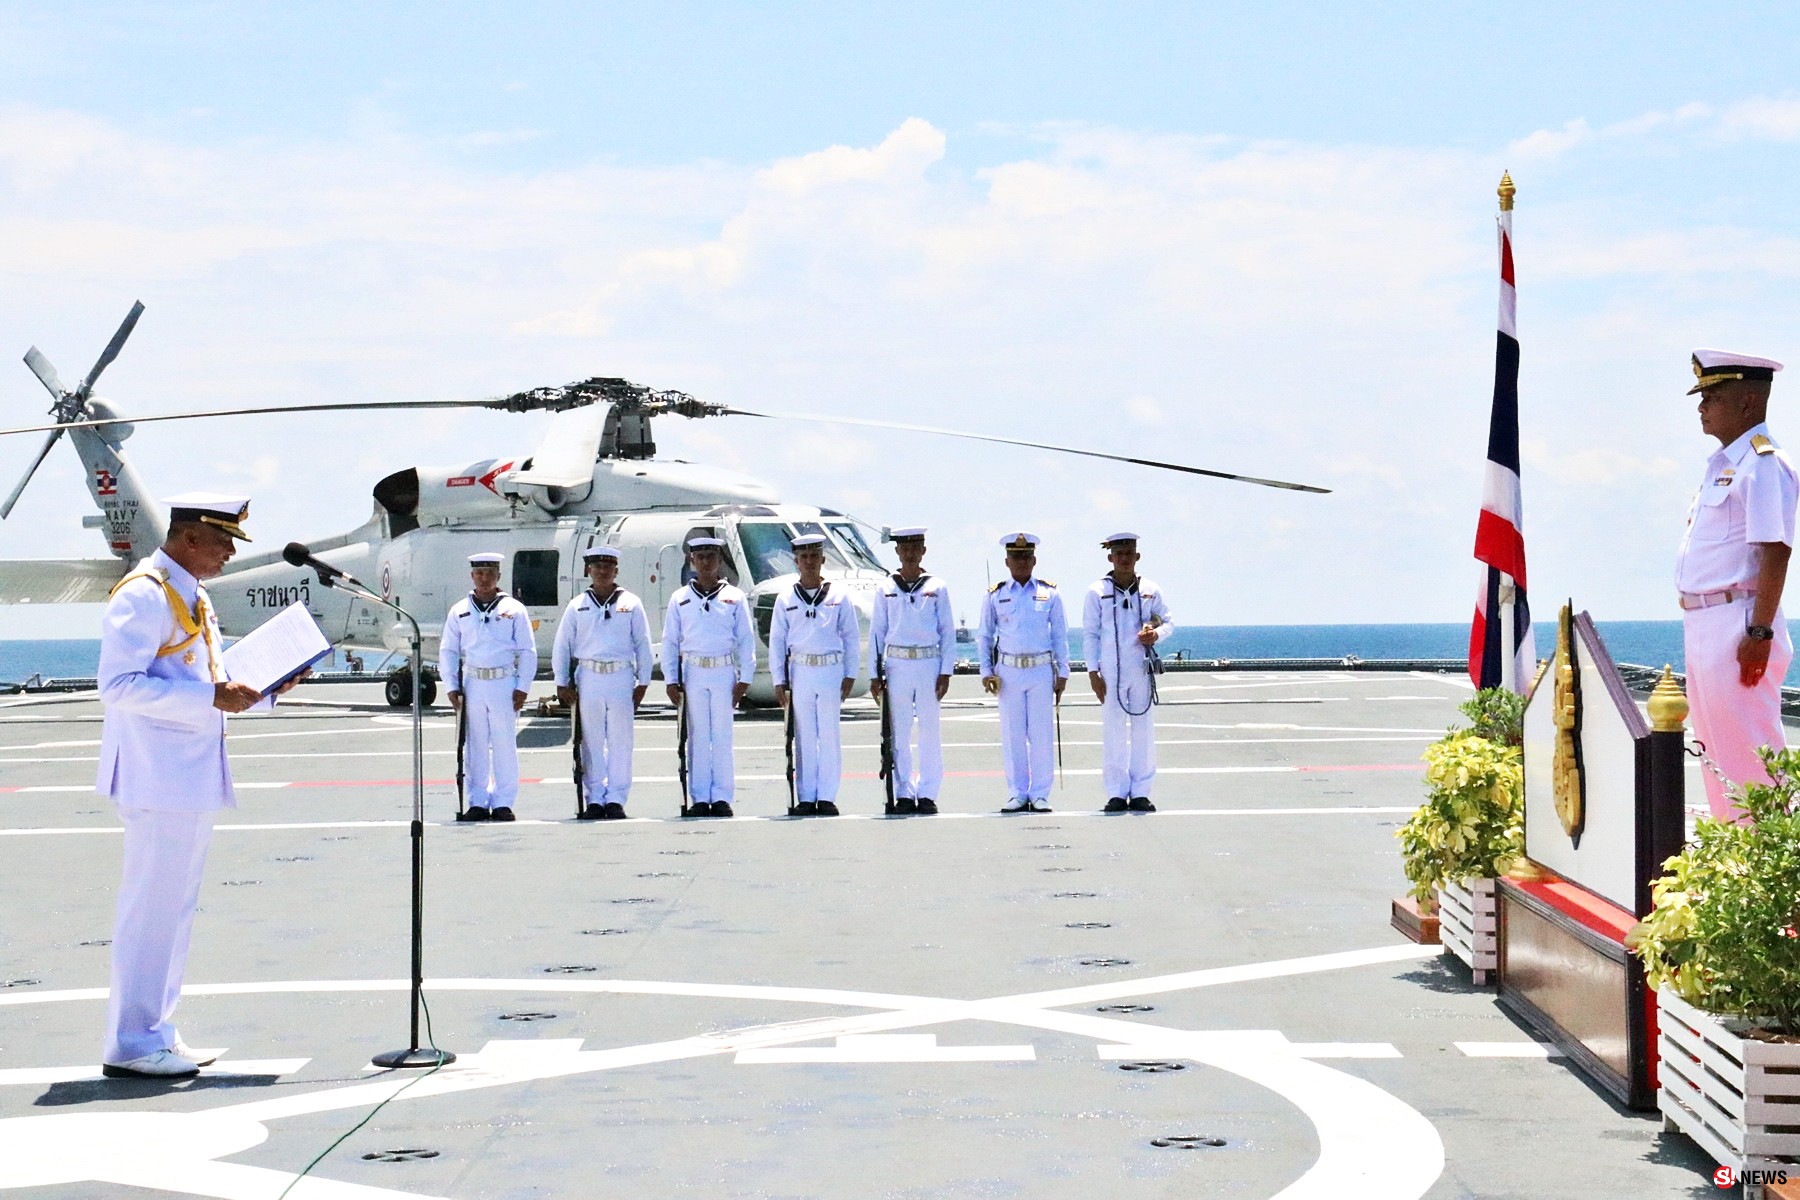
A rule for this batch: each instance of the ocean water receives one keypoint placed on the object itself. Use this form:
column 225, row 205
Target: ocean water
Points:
column 1649, row 643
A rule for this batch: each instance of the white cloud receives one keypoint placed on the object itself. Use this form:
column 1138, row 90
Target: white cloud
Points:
column 1762, row 120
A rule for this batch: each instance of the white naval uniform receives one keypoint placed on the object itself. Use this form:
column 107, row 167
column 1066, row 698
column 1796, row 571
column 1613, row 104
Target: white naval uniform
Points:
column 1110, row 620
column 708, row 647
column 496, row 643
column 162, row 762
column 1747, row 496
column 825, row 633
column 603, row 650
column 913, row 633
column 1025, row 621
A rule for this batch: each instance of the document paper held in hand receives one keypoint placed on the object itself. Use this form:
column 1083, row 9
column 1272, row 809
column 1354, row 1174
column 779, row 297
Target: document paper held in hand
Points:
column 277, row 650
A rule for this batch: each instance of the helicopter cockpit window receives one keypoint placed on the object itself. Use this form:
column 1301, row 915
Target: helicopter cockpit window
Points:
column 534, row 578
column 852, row 538
column 766, row 549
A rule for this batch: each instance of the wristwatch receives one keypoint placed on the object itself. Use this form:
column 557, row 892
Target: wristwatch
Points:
column 1760, row 633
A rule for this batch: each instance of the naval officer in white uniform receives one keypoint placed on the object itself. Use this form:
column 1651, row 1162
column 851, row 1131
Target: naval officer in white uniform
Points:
column 708, row 657
column 162, row 762
column 912, row 634
column 1023, row 643
column 814, row 655
column 1731, row 570
column 602, row 662
column 1123, row 617
column 488, row 659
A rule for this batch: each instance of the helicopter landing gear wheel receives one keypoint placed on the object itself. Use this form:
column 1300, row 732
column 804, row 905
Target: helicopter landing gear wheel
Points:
column 398, row 689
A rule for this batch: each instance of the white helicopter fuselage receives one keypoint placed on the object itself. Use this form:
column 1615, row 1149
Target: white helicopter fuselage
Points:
column 414, row 551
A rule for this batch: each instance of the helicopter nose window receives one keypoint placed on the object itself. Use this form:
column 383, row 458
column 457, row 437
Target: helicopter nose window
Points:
column 767, row 549
column 852, row 538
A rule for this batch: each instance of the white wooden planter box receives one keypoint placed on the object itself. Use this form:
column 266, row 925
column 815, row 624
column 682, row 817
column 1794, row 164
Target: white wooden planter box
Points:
column 1737, row 1098
column 1469, row 925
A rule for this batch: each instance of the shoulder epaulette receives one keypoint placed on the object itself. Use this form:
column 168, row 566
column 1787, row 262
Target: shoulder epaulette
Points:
column 998, row 586
column 1049, row 583
column 1761, row 444
column 185, row 622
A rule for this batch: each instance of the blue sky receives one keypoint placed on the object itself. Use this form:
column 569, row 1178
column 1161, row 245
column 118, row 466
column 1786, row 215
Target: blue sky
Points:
column 1258, row 239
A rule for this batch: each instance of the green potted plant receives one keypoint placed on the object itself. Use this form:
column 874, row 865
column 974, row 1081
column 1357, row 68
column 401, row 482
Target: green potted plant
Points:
column 1471, row 826
column 1721, row 946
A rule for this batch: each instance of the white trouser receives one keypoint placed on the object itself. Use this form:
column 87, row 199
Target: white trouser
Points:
column 165, row 856
column 912, row 700
column 606, row 735
column 707, row 694
column 1028, row 729
column 1128, row 758
column 1732, row 720
column 491, row 752
column 818, row 699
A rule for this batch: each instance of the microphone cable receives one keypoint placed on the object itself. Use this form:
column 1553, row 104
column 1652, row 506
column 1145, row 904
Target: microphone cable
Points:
column 431, row 1041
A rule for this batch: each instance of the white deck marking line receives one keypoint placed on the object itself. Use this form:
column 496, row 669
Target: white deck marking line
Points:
column 225, row 1066
column 1177, row 1048
column 1369, row 1140
column 1457, row 681
column 1509, row 1049
column 887, row 1048
column 780, row 818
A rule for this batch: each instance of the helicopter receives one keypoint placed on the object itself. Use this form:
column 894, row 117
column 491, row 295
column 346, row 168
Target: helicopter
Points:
column 594, row 479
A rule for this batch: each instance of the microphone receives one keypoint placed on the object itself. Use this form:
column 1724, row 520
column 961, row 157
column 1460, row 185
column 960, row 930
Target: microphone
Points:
column 300, row 556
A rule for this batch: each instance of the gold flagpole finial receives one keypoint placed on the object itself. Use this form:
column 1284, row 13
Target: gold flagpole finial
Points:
column 1507, row 191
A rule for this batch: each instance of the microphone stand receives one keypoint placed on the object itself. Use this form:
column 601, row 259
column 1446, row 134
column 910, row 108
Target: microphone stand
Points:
column 414, row 1055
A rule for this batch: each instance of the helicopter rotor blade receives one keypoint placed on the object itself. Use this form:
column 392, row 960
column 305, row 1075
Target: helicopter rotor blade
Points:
column 40, row 366
column 251, row 412
column 6, row 509
column 983, row 437
column 112, row 349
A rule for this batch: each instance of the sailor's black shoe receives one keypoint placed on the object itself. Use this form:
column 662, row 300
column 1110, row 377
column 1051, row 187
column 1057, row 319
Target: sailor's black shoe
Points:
column 1116, row 804
column 825, row 808
column 592, row 812
column 806, row 808
column 720, row 809
column 474, row 812
column 905, row 806
column 1142, row 804
column 927, row 808
column 502, row 813
column 614, row 811
column 698, row 808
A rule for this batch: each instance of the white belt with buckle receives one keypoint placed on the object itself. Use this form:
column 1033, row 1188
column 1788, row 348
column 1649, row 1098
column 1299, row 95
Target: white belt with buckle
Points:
column 490, row 672
column 604, row 666
column 708, row 660
column 819, row 660
column 912, row 652
column 1025, row 660
column 1692, row 600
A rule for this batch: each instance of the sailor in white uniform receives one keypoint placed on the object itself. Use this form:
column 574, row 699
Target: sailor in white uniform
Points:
column 814, row 655
column 162, row 762
column 488, row 659
column 708, row 658
column 1730, row 573
column 912, row 635
column 1023, row 644
column 602, row 662
column 1123, row 617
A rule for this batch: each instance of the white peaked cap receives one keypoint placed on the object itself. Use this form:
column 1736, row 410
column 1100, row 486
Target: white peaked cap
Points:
column 1119, row 537
column 600, row 552
column 1019, row 541
column 702, row 542
column 484, row 560
column 1717, row 366
column 809, row 539
column 906, row 531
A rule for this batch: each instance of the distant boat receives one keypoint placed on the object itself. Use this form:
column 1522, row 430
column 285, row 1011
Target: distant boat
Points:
column 964, row 635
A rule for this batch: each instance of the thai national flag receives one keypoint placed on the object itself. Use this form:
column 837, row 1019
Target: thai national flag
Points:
column 1501, row 650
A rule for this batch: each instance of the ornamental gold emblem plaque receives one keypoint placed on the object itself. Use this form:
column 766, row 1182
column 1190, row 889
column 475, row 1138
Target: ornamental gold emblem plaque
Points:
column 1569, row 780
